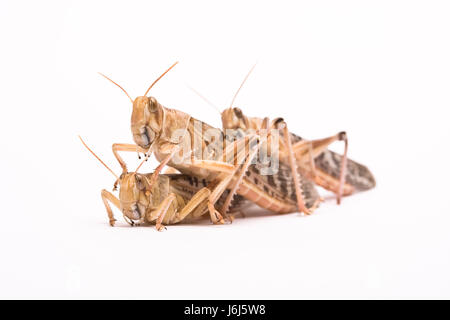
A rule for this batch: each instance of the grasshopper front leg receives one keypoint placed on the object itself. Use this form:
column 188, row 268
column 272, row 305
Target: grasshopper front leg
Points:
column 161, row 211
column 116, row 147
column 160, row 167
column 109, row 197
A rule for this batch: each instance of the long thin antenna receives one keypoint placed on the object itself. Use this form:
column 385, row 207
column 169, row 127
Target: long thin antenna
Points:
column 242, row 84
column 117, row 85
column 203, row 98
column 159, row 78
column 98, row 158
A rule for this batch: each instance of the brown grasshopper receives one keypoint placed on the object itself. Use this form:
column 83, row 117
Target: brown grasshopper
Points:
column 165, row 131
column 178, row 197
column 326, row 168
column 309, row 155
column 171, row 199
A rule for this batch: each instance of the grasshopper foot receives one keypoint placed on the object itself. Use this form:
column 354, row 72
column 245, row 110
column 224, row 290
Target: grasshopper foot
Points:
column 160, row 227
column 229, row 218
column 219, row 219
column 216, row 217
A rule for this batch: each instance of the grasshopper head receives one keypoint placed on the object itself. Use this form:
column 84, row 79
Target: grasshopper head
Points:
column 147, row 116
column 146, row 120
column 133, row 195
column 233, row 118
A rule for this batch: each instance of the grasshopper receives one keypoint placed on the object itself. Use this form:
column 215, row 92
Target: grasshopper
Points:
column 173, row 198
column 312, row 157
column 176, row 198
column 164, row 132
column 326, row 168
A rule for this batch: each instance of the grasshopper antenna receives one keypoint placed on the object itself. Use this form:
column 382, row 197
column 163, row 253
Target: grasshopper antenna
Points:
column 203, row 98
column 98, row 158
column 117, row 85
column 151, row 86
column 242, row 84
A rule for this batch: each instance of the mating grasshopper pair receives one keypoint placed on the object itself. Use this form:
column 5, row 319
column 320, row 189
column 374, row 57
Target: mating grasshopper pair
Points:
column 156, row 198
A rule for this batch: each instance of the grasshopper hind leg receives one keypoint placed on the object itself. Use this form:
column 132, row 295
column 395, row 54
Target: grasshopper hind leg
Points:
column 293, row 164
column 310, row 151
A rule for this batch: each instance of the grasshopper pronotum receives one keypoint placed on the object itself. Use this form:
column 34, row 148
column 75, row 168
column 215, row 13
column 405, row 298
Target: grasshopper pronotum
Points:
column 171, row 199
column 165, row 131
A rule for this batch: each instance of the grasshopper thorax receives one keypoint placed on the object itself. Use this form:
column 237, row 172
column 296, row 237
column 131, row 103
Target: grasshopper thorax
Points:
column 146, row 120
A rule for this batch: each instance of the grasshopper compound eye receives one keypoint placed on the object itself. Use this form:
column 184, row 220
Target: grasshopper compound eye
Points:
column 145, row 137
column 238, row 113
column 139, row 183
column 142, row 120
column 135, row 212
column 153, row 104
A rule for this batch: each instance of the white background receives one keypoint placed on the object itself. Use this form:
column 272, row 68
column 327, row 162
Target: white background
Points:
column 378, row 69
